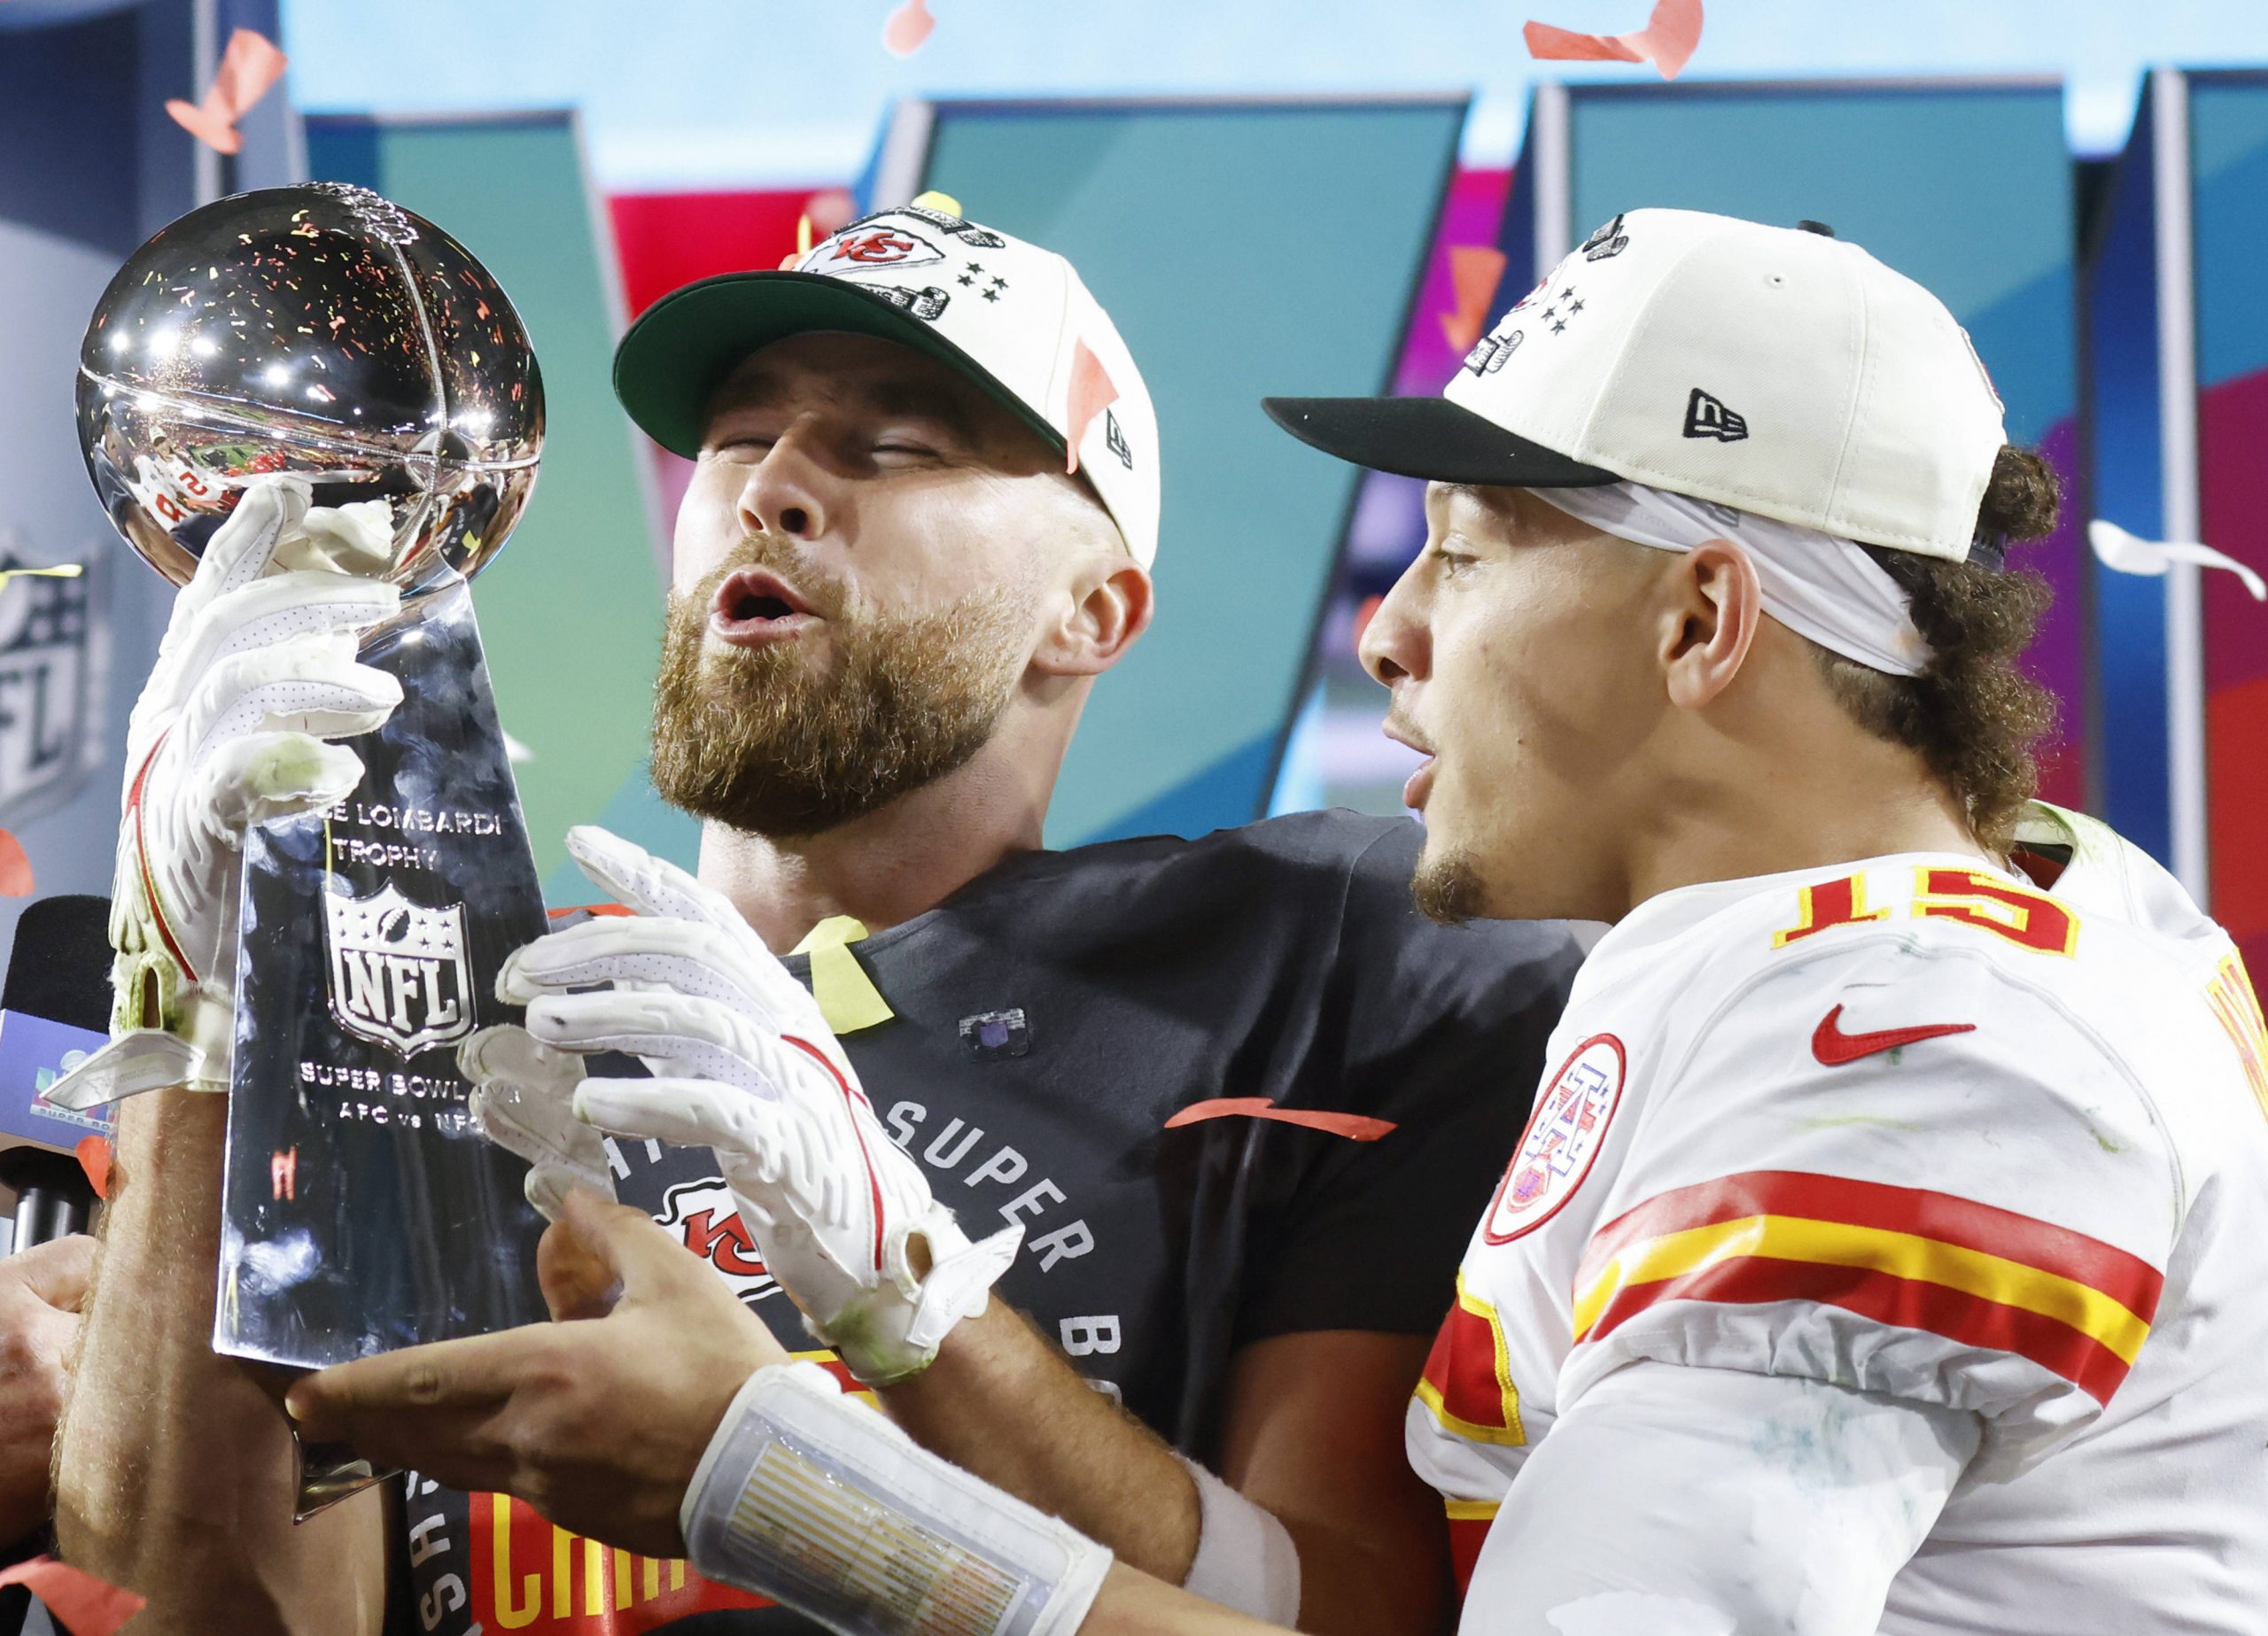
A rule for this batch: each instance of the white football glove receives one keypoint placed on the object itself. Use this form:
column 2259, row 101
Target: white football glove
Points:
column 524, row 1100
column 743, row 1064
column 256, row 671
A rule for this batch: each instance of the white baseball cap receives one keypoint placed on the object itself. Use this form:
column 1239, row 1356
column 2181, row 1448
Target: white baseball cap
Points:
column 1012, row 317
column 1778, row 370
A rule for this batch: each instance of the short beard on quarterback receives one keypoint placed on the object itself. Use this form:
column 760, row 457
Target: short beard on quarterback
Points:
column 1448, row 890
column 769, row 743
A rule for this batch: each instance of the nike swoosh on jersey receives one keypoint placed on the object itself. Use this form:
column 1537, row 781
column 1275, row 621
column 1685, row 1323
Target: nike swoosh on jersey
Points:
column 1834, row 1048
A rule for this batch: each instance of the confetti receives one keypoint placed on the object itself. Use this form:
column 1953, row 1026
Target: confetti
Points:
column 830, row 210
column 248, row 69
column 1474, row 269
column 908, row 26
column 2128, row 554
column 15, row 879
column 89, row 1606
column 94, row 1158
column 1091, row 392
column 1666, row 41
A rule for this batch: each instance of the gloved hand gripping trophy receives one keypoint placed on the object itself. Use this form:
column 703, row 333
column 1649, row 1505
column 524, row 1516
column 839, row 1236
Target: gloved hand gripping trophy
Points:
column 256, row 674
column 743, row 1062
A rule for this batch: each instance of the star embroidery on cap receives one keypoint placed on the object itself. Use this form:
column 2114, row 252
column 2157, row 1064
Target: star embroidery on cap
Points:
column 993, row 294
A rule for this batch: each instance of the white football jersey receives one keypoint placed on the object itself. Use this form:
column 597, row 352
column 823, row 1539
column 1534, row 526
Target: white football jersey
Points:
column 1917, row 1127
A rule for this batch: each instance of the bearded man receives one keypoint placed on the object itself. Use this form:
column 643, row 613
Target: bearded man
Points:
column 1215, row 1114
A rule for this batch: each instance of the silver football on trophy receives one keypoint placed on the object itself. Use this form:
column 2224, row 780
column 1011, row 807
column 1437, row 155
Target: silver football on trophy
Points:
column 318, row 330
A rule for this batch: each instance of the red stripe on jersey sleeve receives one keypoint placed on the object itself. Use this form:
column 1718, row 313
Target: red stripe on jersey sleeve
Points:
column 2127, row 1279
column 1910, row 1303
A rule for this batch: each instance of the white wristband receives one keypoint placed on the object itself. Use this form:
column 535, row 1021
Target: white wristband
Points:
column 1245, row 1558
column 826, row 1506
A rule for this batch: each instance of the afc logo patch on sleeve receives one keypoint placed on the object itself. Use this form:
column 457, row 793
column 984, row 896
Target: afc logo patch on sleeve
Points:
column 1563, row 1139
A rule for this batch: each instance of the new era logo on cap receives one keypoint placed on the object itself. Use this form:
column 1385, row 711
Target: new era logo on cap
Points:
column 1708, row 417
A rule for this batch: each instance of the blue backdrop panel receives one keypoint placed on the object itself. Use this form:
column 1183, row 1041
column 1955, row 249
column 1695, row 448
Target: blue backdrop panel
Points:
column 1243, row 250
column 2119, row 310
column 89, row 166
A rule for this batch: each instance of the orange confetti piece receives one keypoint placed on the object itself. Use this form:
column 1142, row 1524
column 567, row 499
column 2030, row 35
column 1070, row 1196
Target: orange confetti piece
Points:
column 1091, row 392
column 1354, row 1127
column 1475, row 271
column 16, row 878
column 908, row 26
column 1667, row 41
column 249, row 68
column 831, row 209
column 94, row 1158
column 89, row 1606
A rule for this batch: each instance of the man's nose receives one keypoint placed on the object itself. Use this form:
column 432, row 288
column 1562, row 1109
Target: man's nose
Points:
column 1395, row 643
column 788, row 492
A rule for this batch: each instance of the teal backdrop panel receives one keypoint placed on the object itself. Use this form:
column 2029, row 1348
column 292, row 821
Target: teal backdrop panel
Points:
column 1244, row 250
column 1966, row 187
column 571, row 609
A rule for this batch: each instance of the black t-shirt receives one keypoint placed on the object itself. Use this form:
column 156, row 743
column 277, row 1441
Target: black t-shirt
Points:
column 1050, row 1018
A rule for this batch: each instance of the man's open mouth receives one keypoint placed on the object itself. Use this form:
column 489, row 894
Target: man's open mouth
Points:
column 755, row 606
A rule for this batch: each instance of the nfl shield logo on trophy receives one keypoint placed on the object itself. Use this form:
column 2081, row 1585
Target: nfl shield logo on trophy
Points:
column 398, row 972
column 46, row 682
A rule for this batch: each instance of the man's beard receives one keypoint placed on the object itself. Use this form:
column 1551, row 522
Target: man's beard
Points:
column 766, row 742
column 1448, row 890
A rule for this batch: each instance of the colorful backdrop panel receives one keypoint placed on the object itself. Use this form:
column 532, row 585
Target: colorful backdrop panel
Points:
column 1243, row 250
column 2228, row 128
column 2124, row 422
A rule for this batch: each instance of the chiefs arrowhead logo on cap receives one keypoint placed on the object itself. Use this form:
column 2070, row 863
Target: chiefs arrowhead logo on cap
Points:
column 878, row 247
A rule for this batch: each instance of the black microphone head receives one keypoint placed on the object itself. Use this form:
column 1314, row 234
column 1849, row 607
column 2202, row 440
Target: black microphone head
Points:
column 60, row 968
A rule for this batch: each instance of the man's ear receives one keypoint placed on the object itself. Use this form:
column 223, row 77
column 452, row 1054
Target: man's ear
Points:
column 1718, row 604
column 1106, row 607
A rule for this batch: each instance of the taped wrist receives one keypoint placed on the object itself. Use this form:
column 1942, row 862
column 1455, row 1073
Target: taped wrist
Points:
column 827, row 1508
column 1245, row 1558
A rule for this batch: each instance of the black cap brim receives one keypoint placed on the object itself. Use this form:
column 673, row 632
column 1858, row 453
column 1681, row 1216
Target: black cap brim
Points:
column 1429, row 438
column 671, row 362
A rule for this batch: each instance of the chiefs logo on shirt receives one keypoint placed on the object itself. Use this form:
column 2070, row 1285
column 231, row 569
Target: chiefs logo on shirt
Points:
column 703, row 1216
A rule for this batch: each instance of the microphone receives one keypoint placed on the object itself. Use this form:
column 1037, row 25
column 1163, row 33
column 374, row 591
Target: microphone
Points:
column 54, row 1008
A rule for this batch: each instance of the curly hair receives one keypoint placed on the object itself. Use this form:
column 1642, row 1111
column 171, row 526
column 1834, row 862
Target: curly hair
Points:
column 1976, row 718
